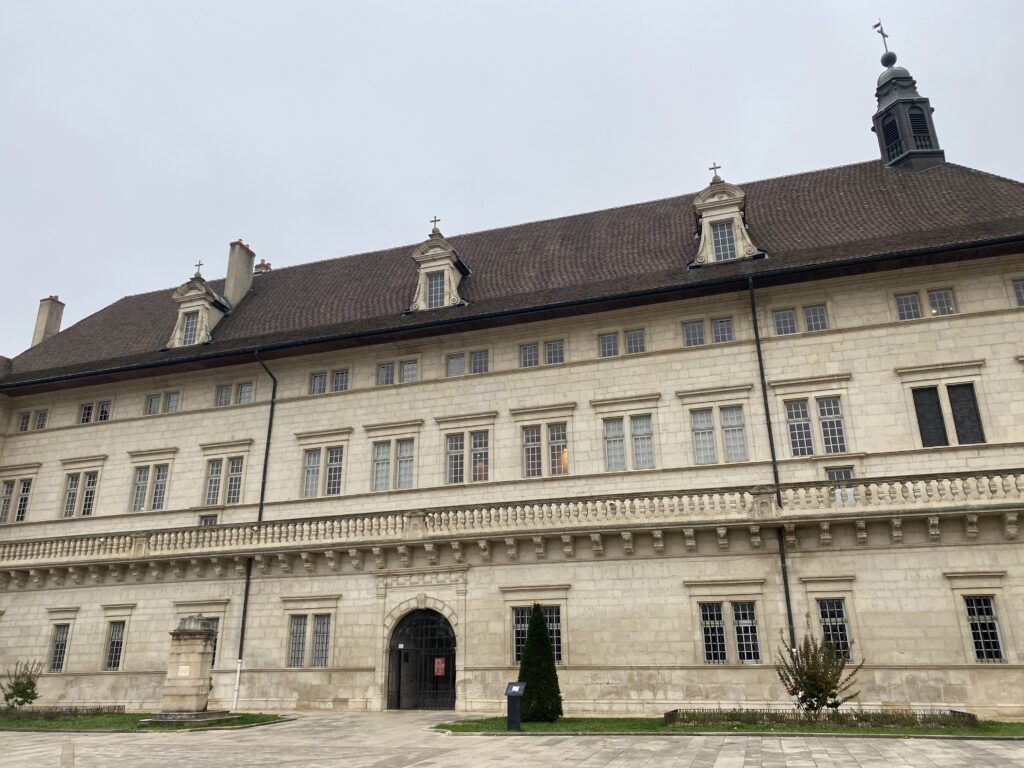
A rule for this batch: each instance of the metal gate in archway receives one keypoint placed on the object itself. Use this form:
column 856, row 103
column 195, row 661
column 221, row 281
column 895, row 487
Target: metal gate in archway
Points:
column 421, row 662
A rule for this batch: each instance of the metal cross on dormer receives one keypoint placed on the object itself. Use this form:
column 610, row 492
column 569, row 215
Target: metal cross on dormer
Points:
column 881, row 30
column 715, row 168
column 199, row 266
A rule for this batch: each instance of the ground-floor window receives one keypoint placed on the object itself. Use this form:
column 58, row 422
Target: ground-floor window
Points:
column 520, row 622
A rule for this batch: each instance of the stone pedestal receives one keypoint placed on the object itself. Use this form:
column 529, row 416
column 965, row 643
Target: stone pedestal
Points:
column 187, row 687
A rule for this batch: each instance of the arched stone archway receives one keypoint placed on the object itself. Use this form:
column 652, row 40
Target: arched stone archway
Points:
column 421, row 662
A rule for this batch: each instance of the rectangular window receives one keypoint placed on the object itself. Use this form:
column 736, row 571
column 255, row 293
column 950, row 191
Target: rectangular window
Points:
column 297, row 640
column 59, row 647
column 480, row 456
column 712, row 625
column 643, row 441
column 80, row 494
column 435, row 290
column 71, row 495
column 942, row 301
column 614, row 445
column 981, row 617
column 321, row 640
column 1018, row 292
column 455, row 449
column 152, row 406
column 189, row 329
column 838, row 474
column 966, row 417
column 404, row 463
column 139, row 489
column 721, row 330
column 334, row 459
column 830, row 417
column 214, row 624
column 85, row 413
column 785, row 321
column 207, row 521
column 385, row 374
column 311, row 472
column 41, row 416
column 214, row 468
column 455, row 365
column 159, row 491
column 88, row 503
column 908, row 306
column 554, row 351
column 6, row 500
column 532, row 464
column 703, row 424
column 115, row 646
column 223, row 396
column 734, row 432
column 233, row 494
column 407, row 371
column 24, row 421
column 244, row 393
column 558, row 450
column 834, row 627
column 479, row 362
column 171, row 402
column 529, row 355
column 723, row 240
column 521, row 622
column 693, row 333
column 815, row 318
column 608, row 345
column 339, row 380
column 381, row 465
column 744, row 620
column 929, row 417
column 799, row 421
column 103, row 410
column 636, row 341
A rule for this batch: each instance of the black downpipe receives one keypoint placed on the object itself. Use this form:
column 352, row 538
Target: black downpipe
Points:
column 779, row 534
column 259, row 519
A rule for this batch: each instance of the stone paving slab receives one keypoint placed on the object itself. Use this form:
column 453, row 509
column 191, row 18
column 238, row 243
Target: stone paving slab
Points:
column 402, row 740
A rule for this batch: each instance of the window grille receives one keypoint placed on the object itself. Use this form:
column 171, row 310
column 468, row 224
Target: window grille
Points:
column 245, row 392
column 140, row 487
column 41, row 417
column 721, row 330
column 724, row 241
column 1018, row 292
column 744, row 619
column 223, row 396
column 297, row 640
column 171, row 402
column 159, row 486
column 981, row 616
column 85, row 413
column 233, row 495
column 71, row 495
column 152, row 405
column 335, row 459
column 6, row 500
column 693, row 333
column 834, row 628
column 103, row 410
column 713, row 629
column 89, row 493
column 785, row 322
column 407, row 371
column 59, row 647
column 830, row 416
column 703, row 425
column 614, row 445
column 24, row 420
column 799, row 421
column 24, row 492
column 520, row 623
column 115, row 645
column 734, row 432
column 321, row 639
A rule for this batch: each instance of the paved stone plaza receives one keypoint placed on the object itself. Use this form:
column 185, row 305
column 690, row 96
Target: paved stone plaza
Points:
column 395, row 740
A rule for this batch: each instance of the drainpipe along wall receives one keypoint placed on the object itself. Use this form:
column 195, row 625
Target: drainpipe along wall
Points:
column 259, row 519
column 779, row 533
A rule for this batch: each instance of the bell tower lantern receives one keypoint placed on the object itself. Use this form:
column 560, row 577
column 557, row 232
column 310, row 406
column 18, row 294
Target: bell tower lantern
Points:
column 903, row 122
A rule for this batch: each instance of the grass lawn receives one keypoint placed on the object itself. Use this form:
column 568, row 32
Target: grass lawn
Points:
column 122, row 721
column 656, row 725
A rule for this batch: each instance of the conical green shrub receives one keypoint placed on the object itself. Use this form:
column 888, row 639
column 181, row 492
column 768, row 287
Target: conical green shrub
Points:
column 542, row 700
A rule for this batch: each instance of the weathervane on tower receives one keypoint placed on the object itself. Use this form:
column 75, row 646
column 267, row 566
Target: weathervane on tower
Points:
column 881, row 30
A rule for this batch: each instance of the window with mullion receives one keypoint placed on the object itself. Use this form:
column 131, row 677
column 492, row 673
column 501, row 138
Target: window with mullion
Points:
column 643, row 441
column 408, row 371
column 558, row 449
column 214, row 469
column 404, row 453
column 80, row 493
column 723, row 240
column 608, row 345
column 703, row 424
column 479, row 362
column 815, row 318
column 942, row 301
column 533, row 466
column 734, row 432
column 455, row 446
column 744, row 619
column 785, row 322
column 614, row 445
column 636, row 341
column 222, row 398
column 339, row 380
column 830, row 418
column 381, row 465
column 712, row 623
column 554, row 351
column 798, row 419
column 189, row 329
column 721, row 330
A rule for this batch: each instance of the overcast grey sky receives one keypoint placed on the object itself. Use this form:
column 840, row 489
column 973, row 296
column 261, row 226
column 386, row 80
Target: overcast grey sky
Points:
column 137, row 137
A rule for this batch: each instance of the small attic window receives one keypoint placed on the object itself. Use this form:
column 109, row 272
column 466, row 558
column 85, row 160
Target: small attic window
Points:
column 435, row 290
column 919, row 127
column 189, row 328
column 724, row 240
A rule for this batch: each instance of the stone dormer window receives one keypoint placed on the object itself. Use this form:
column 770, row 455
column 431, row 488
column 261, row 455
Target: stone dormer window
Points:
column 722, row 233
column 200, row 308
column 440, row 273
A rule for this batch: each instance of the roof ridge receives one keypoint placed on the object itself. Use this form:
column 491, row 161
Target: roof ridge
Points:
column 981, row 173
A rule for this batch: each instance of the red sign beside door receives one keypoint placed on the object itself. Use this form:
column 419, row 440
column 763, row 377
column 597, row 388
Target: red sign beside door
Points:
column 439, row 666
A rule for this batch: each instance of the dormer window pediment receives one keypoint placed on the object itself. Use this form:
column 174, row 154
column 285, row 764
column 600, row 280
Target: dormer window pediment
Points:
column 722, row 230
column 440, row 273
column 200, row 308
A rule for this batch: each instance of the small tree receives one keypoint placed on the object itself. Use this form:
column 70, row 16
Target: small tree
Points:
column 813, row 674
column 21, row 684
column 542, row 700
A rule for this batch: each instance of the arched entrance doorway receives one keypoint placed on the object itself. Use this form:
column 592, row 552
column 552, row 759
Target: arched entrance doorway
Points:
column 421, row 662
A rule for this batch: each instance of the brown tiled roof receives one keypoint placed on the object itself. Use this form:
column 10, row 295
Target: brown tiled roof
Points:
column 823, row 217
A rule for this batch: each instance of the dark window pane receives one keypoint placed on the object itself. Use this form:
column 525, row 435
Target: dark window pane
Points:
column 929, row 417
column 966, row 417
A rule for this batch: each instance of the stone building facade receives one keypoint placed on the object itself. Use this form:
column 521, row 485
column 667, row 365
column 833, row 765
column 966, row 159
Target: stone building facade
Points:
column 692, row 429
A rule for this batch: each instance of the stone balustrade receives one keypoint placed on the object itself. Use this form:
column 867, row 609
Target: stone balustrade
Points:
column 865, row 499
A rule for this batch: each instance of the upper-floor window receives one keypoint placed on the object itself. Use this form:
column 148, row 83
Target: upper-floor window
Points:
column 608, row 345
column 402, row 372
column 550, row 441
column 14, row 499
column 474, row 451
column 828, row 413
column 935, row 405
column 787, row 321
column 695, row 331
column 530, row 354
column 634, row 341
column 189, row 328
column 36, row 419
column 641, row 442
column 239, row 394
column 223, row 481
column 322, row 470
column 398, row 454
column 166, row 402
column 90, row 412
column 149, row 487
column 435, row 290
column 908, row 306
column 706, row 439
column 1018, row 291
column 479, row 362
column 80, row 494
column 942, row 301
column 724, row 240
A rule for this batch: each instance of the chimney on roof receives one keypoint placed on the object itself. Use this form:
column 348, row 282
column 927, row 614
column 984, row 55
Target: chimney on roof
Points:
column 239, row 279
column 263, row 266
column 51, row 310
